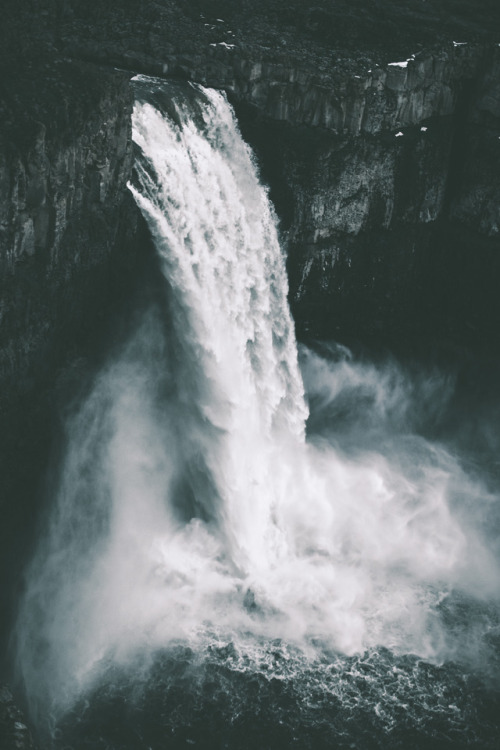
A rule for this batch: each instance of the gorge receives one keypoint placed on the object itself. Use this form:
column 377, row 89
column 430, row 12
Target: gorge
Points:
column 382, row 164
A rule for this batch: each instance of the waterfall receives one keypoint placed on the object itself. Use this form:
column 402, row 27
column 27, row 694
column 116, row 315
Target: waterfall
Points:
column 226, row 271
column 190, row 506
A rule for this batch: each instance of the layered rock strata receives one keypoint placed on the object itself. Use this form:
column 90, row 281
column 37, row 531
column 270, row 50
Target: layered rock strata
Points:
column 392, row 222
column 377, row 158
column 65, row 158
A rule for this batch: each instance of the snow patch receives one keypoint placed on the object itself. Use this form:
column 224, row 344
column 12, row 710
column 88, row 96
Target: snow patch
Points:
column 402, row 64
column 223, row 44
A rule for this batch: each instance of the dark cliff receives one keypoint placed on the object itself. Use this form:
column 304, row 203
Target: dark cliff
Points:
column 64, row 162
column 396, row 226
column 376, row 123
column 65, row 156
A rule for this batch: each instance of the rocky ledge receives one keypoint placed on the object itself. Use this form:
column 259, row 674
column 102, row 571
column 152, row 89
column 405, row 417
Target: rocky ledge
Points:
column 376, row 98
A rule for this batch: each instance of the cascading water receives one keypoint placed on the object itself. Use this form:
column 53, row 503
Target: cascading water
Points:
column 193, row 514
column 224, row 265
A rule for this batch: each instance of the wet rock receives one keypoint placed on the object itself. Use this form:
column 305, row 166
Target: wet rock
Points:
column 14, row 732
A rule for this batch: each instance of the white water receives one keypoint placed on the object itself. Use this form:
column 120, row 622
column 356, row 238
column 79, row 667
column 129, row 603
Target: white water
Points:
column 190, row 506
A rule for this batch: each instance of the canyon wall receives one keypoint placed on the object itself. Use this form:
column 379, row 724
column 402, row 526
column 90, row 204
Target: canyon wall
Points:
column 382, row 164
column 385, row 178
column 65, row 157
column 393, row 224
column 376, row 125
column 64, row 164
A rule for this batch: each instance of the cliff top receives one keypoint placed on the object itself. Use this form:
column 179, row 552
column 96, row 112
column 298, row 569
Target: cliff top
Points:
column 307, row 31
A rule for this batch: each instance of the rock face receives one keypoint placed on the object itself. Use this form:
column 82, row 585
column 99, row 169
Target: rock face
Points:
column 63, row 173
column 375, row 145
column 476, row 199
column 14, row 733
column 355, row 101
column 392, row 222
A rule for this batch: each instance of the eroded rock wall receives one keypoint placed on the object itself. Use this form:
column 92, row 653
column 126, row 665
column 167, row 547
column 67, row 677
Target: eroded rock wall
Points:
column 63, row 170
column 394, row 227
column 345, row 99
column 383, row 119
column 65, row 157
column 378, row 151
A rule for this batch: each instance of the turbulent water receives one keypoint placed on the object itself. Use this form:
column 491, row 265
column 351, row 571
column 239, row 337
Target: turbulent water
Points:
column 209, row 574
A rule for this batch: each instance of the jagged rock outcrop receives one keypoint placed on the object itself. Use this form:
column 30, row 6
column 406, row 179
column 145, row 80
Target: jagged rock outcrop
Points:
column 63, row 173
column 289, row 74
column 372, row 169
column 395, row 226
